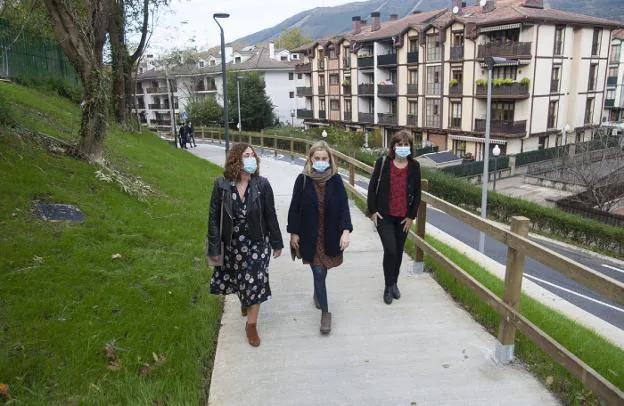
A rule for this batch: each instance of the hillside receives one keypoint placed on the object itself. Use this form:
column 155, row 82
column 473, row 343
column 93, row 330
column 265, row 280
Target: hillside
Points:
column 326, row 21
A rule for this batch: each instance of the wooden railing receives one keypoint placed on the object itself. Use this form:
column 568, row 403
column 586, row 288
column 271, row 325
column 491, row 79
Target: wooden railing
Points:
column 518, row 247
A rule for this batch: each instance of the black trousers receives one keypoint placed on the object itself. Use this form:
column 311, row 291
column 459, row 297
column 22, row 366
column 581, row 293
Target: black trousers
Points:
column 393, row 238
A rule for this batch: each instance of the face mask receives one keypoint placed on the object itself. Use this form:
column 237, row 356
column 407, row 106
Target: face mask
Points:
column 320, row 166
column 402, row 152
column 250, row 164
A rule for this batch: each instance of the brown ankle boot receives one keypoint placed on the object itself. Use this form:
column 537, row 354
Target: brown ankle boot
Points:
column 252, row 335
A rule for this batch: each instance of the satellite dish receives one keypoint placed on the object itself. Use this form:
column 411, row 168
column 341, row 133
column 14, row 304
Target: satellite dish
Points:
column 455, row 10
column 482, row 3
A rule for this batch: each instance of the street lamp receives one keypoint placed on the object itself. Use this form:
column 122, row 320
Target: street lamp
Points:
column 496, row 151
column 216, row 16
column 324, row 134
column 240, row 123
column 491, row 62
column 292, row 117
column 567, row 130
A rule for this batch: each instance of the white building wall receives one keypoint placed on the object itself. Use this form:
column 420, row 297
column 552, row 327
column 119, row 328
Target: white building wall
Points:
column 278, row 88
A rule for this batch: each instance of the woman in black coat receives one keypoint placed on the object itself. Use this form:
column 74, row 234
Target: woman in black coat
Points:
column 393, row 200
column 319, row 221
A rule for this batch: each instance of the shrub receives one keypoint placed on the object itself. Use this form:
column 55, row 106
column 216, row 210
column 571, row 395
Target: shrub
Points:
column 6, row 113
column 59, row 86
column 453, row 82
column 525, row 81
column 481, row 82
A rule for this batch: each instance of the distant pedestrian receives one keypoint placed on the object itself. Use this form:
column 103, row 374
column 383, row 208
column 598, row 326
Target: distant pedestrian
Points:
column 242, row 229
column 319, row 221
column 190, row 135
column 393, row 200
column 182, row 136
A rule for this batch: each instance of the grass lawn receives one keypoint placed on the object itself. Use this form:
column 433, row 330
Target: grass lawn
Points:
column 63, row 297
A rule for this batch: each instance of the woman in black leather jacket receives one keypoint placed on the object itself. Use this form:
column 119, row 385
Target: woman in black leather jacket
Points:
column 242, row 229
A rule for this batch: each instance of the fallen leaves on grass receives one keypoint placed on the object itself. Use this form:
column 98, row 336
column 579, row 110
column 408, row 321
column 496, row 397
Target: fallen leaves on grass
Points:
column 4, row 391
column 158, row 360
column 110, row 351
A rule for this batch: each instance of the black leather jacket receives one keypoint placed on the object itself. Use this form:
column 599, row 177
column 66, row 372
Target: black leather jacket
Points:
column 260, row 214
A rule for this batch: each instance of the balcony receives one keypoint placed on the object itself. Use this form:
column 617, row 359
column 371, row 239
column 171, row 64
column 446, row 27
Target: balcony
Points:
column 412, row 120
column 346, row 63
column 322, row 114
column 366, row 89
column 412, row 89
column 512, row 91
column 303, row 91
column 457, row 53
column 609, row 102
column 158, row 106
column 387, row 118
column 206, row 89
column 321, row 64
column 554, row 85
column 153, row 90
column 346, row 89
column 456, row 90
column 160, row 122
column 304, row 113
column 412, row 57
column 386, row 90
column 365, row 62
column 455, row 122
column 348, row 116
column 303, row 68
column 508, row 50
column 366, row 118
column 387, row 60
column 321, row 90
column 505, row 128
column 612, row 81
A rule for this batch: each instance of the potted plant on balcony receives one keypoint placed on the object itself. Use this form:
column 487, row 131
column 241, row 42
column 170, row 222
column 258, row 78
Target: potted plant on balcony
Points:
column 346, row 82
column 453, row 82
column 525, row 81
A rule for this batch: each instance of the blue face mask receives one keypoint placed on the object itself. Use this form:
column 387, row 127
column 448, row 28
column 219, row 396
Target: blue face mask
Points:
column 250, row 165
column 320, row 166
column 402, row 152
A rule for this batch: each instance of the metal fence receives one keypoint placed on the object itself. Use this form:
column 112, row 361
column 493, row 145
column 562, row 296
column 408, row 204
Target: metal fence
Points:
column 476, row 168
column 27, row 56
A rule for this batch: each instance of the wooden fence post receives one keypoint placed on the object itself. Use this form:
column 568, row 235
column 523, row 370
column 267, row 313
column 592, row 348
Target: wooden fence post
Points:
column 504, row 352
column 275, row 145
column 292, row 149
column 421, row 221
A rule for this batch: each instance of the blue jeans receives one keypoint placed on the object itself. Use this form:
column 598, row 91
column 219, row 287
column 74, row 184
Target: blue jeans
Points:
column 320, row 290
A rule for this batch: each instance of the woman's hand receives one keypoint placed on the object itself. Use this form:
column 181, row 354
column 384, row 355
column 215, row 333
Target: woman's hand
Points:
column 375, row 217
column 294, row 241
column 277, row 253
column 407, row 224
column 216, row 259
column 344, row 240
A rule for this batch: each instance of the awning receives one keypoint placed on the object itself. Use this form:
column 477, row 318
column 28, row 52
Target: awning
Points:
column 476, row 139
column 499, row 27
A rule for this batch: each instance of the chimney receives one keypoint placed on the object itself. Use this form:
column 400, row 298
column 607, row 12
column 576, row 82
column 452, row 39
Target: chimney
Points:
column 416, row 12
column 376, row 23
column 271, row 50
column 363, row 23
column 534, row 4
column 490, row 5
column 394, row 17
column 356, row 27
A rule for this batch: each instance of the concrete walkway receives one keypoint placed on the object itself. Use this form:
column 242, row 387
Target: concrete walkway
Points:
column 421, row 350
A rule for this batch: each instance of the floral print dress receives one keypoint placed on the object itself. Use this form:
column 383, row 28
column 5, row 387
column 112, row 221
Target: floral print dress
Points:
column 245, row 269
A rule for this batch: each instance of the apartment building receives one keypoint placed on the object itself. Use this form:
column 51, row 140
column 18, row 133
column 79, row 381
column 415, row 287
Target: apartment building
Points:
column 614, row 98
column 426, row 72
column 202, row 78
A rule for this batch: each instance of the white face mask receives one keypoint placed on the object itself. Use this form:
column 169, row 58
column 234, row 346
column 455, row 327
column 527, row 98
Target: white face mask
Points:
column 250, row 165
column 402, row 152
column 320, row 166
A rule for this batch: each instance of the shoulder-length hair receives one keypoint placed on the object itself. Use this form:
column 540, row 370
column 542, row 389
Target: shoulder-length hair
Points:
column 401, row 136
column 234, row 162
column 320, row 146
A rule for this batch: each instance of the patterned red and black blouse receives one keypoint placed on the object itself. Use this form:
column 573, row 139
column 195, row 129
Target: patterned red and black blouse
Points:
column 397, row 202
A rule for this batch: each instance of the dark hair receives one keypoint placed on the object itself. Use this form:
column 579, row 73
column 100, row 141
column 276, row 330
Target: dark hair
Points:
column 234, row 162
column 401, row 136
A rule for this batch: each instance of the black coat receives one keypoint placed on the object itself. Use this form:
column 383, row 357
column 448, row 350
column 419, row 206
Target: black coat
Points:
column 379, row 188
column 260, row 214
column 303, row 215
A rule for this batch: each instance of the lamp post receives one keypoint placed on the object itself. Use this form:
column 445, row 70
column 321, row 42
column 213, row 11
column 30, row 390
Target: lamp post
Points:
column 240, row 123
column 216, row 16
column 491, row 62
column 565, row 137
column 292, row 117
column 496, row 152
column 324, row 134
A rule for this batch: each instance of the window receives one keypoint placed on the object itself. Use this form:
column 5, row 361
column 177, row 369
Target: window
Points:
column 433, row 113
column 283, row 58
column 237, row 59
column 596, row 41
column 615, row 53
column 292, row 95
column 503, row 111
column 213, row 62
column 457, row 74
column 591, row 82
column 413, row 45
column 291, row 76
column 412, row 108
column 504, row 36
column 434, row 52
column 458, row 38
column 201, row 64
column 433, row 80
column 558, row 50
column 613, row 72
column 332, row 53
column 299, row 75
column 552, row 114
column 554, row 78
column 589, row 110
column 322, row 105
column 412, row 77
column 610, row 95
column 456, row 115
column 542, row 142
column 333, row 80
column 505, row 72
column 347, row 105
column 322, row 80
column 459, row 148
column 334, row 105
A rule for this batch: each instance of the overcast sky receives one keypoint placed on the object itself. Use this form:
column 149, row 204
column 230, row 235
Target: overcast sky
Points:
column 189, row 22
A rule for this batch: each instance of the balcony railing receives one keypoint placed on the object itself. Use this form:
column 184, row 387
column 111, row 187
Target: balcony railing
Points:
column 321, row 90
column 207, row 89
column 387, row 60
column 434, row 88
column 348, row 116
column 386, row 90
column 322, row 114
column 365, row 62
column 554, row 85
column 346, row 89
column 513, row 91
column 506, row 127
column 513, row 50
column 158, row 90
column 609, row 102
column 160, row 122
column 303, row 91
column 304, row 113
column 303, row 68
column 412, row 57
column 456, row 90
column 387, row 118
column 366, row 89
column 412, row 89
column 158, row 106
column 455, row 122
column 366, row 118
column 457, row 53
column 412, row 120
column 611, row 80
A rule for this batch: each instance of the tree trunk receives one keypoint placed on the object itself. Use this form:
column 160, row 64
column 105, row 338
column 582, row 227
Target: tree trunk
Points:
column 94, row 118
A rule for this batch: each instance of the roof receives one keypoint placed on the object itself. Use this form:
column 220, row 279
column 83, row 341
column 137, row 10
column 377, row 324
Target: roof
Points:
column 389, row 29
column 442, row 157
column 618, row 34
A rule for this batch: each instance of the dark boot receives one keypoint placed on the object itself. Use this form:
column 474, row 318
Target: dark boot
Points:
column 252, row 335
column 395, row 291
column 326, row 318
column 387, row 296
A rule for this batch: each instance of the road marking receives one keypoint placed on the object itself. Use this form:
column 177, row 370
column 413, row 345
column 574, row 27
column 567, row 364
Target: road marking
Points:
column 614, row 268
column 575, row 293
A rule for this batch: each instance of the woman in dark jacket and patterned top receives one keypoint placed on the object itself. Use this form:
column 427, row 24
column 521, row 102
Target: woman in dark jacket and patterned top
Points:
column 243, row 219
column 319, row 221
column 393, row 200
